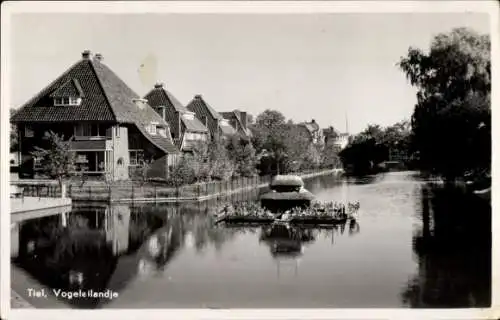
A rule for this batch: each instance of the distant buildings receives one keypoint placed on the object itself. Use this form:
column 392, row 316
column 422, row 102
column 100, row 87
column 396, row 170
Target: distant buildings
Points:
column 217, row 125
column 338, row 140
column 185, row 127
column 314, row 131
column 239, row 121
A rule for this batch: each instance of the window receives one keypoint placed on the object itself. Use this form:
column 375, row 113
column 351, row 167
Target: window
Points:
column 152, row 128
column 117, row 131
column 90, row 130
column 28, row 132
column 67, row 101
column 136, row 157
column 37, row 163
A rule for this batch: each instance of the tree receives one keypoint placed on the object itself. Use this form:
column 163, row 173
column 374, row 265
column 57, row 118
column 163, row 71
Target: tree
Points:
column 270, row 119
column 374, row 131
column 58, row 161
column 201, row 161
column 330, row 155
column 183, row 172
column 299, row 150
column 451, row 122
column 221, row 166
column 269, row 139
column 14, row 142
column 243, row 156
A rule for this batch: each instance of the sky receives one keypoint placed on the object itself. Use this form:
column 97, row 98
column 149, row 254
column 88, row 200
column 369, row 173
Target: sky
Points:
column 327, row 67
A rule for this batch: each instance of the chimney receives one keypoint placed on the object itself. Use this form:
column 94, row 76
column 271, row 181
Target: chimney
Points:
column 197, row 96
column 313, row 121
column 140, row 103
column 243, row 117
column 86, row 54
column 98, row 57
column 159, row 85
column 177, row 125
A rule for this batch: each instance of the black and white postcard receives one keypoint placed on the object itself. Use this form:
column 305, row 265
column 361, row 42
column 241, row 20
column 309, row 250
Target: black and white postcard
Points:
column 249, row 160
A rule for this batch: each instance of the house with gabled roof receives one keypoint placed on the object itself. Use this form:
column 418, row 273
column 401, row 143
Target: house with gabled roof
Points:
column 238, row 120
column 186, row 129
column 217, row 125
column 314, row 131
column 113, row 129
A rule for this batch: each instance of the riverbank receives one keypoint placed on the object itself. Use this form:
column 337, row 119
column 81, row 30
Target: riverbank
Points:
column 219, row 189
column 132, row 192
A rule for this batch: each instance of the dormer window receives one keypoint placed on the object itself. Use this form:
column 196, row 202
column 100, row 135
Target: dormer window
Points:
column 69, row 93
column 151, row 128
column 67, row 101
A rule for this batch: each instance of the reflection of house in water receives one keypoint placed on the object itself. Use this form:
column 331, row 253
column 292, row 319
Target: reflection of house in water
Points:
column 160, row 248
column 14, row 240
column 88, row 248
column 113, row 220
column 117, row 224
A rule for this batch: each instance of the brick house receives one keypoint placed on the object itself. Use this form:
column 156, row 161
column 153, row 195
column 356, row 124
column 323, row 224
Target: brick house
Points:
column 238, row 120
column 217, row 125
column 314, row 131
column 113, row 128
column 186, row 128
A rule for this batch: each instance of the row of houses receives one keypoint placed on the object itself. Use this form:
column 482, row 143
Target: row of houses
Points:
column 114, row 128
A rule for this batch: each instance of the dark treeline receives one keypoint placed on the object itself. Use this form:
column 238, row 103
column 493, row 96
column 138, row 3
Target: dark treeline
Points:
column 450, row 129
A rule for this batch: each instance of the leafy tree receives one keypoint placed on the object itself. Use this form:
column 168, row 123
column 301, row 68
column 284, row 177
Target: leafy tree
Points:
column 270, row 119
column 221, row 166
column 451, row 123
column 329, row 155
column 374, row 131
column 183, row 172
column 201, row 161
column 57, row 161
column 14, row 143
column 269, row 138
column 243, row 156
column 300, row 152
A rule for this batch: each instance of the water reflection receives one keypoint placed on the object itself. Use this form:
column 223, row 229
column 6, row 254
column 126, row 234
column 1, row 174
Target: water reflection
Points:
column 100, row 247
column 434, row 242
column 453, row 250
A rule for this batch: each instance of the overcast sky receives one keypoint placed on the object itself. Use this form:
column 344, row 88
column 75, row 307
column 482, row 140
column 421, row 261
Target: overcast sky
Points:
column 317, row 66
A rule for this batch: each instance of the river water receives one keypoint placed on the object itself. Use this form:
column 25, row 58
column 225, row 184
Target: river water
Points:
column 413, row 245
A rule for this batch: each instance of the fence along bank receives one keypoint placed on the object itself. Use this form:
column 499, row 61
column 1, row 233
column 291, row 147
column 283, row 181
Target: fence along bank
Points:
column 155, row 192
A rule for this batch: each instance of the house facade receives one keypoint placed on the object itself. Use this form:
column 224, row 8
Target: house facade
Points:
column 113, row 129
column 238, row 120
column 341, row 141
column 186, row 129
column 314, row 131
column 218, row 126
column 334, row 139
